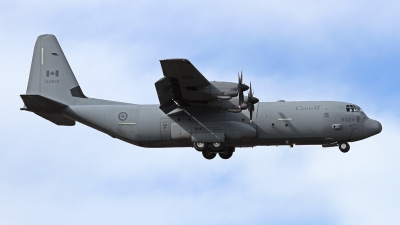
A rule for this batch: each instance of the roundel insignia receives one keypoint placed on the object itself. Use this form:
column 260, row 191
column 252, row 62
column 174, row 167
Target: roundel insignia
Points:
column 122, row 116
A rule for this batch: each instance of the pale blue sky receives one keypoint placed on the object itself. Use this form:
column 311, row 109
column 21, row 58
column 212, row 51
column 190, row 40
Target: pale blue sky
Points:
column 308, row 50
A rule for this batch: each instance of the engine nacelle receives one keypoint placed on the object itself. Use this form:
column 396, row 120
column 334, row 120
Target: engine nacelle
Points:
column 231, row 105
column 220, row 90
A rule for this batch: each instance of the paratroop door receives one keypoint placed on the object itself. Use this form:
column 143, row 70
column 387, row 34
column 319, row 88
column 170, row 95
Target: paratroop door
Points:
column 165, row 129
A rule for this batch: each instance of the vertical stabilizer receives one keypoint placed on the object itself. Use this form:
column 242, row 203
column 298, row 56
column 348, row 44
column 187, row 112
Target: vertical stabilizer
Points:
column 50, row 75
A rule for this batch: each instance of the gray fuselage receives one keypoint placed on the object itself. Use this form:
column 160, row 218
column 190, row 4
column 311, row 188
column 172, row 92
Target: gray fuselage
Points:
column 213, row 117
column 274, row 123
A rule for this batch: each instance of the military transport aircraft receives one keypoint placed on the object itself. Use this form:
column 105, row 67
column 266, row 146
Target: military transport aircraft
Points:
column 213, row 117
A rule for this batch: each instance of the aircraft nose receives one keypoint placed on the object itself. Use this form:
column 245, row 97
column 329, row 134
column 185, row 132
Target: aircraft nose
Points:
column 372, row 127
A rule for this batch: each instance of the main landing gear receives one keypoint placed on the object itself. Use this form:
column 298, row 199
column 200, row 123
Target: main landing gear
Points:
column 210, row 150
column 208, row 154
column 344, row 147
column 227, row 153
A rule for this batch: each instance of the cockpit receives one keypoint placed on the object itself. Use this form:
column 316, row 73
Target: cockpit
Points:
column 353, row 108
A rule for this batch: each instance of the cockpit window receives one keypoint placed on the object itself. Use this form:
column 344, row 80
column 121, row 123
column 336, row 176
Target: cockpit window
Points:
column 353, row 108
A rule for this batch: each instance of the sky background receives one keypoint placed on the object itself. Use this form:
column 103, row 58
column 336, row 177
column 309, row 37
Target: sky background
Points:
column 293, row 50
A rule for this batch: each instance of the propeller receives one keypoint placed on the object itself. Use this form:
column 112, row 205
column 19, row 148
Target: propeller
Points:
column 251, row 100
column 241, row 88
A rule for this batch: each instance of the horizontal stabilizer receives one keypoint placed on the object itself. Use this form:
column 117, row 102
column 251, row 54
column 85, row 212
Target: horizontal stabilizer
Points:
column 47, row 109
column 57, row 119
column 40, row 104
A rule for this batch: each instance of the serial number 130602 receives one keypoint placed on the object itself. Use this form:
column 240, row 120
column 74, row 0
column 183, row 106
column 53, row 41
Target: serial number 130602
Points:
column 51, row 81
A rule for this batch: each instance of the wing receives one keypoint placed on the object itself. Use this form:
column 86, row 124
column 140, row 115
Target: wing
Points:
column 184, row 86
column 179, row 85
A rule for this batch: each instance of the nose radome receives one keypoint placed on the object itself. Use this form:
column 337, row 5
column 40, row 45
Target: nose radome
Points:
column 372, row 127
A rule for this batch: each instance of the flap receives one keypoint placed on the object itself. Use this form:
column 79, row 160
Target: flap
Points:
column 169, row 94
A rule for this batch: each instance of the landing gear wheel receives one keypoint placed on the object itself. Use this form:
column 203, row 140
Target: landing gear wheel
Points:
column 208, row 154
column 199, row 146
column 226, row 154
column 216, row 146
column 344, row 147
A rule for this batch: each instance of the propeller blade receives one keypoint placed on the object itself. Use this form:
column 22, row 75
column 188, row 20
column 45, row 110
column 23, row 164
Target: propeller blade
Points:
column 241, row 88
column 241, row 99
column 250, row 92
column 251, row 100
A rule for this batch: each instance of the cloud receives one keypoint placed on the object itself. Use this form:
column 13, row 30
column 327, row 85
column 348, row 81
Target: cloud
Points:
column 87, row 176
column 333, row 50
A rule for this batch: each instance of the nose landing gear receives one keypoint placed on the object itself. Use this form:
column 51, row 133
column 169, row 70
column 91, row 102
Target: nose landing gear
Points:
column 344, row 147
